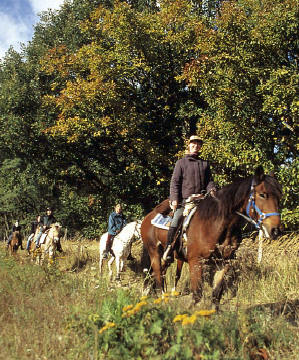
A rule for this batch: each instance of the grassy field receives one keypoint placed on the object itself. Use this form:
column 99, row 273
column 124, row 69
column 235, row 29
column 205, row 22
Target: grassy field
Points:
column 67, row 311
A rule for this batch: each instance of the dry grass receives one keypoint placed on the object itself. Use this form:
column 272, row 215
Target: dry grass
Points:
column 38, row 304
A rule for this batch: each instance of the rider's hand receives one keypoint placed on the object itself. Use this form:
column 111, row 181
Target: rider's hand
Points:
column 213, row 193
column 198, row 196
column 174, row 205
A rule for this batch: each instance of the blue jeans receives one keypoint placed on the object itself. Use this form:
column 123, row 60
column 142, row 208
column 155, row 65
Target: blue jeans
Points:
column 9, row 239
column 39, row 236
column 177, row 217
column 30, row 238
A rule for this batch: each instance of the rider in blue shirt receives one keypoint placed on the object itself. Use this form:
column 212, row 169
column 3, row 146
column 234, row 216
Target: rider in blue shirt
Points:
column 116, row 222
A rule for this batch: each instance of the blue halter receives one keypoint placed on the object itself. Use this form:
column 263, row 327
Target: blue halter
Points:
column 262, row 216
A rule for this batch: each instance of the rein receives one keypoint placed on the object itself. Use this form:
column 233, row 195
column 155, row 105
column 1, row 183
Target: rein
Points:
column 262, row 216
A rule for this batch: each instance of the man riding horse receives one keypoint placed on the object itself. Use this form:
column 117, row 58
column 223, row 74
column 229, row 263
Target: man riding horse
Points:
column 116, row 222
column 47, row 221
column 16, row 227
column 191, row 176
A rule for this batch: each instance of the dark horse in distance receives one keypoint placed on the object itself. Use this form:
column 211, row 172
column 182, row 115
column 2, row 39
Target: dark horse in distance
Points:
column 214, row 232
column 15, row 243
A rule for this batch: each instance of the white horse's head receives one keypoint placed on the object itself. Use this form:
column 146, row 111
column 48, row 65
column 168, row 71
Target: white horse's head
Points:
column 54, row 232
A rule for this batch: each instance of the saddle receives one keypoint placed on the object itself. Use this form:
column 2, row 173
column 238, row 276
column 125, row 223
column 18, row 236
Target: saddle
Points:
column 43, row 237
column 163, row 221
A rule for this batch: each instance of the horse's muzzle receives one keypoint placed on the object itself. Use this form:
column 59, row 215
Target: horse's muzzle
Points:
column 275, row 232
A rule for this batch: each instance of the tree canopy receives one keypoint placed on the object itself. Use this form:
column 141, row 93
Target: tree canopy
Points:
column 97, row 107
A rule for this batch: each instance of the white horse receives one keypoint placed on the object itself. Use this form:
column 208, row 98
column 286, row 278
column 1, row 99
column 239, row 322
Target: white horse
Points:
column 48, row 244
column 121, row 246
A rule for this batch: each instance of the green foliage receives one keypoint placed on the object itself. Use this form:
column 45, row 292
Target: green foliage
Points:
column 124, row 328
column 98, row 105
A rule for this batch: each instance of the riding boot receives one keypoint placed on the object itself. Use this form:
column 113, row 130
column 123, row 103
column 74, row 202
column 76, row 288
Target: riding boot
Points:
column 130, row 257
column 108, row 246
column 167, row 256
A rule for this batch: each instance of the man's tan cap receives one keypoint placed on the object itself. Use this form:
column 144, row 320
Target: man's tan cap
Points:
column 195, row 138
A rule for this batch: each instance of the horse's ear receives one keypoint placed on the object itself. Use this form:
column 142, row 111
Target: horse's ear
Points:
column 272, row 174
column 259, row 175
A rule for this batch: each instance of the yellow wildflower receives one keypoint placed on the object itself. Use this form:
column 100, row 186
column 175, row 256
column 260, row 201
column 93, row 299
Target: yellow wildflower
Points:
column 144, row 297
column 175, row 293
column 128, row 307
column 106, row 327
column 128, row 313
column 179, row 317
column 139, row 305
column 164, row 295
column 205, row 312
column 189, row 320
column 157, row 301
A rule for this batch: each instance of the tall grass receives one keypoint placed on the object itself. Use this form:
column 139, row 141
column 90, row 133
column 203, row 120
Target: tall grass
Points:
column 68, row 312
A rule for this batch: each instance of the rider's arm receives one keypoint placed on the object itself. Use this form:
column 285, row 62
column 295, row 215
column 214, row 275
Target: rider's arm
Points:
column 111, row 224
column 176, row 184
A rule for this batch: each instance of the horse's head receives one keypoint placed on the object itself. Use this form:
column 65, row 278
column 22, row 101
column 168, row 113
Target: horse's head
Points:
column 55, row 231
column 263, row 203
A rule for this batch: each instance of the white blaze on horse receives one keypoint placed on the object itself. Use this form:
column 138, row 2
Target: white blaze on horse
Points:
column 48, row 244
column 121, row 246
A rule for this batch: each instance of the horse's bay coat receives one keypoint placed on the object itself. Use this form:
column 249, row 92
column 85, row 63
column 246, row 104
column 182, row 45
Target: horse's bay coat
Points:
column 214, row 232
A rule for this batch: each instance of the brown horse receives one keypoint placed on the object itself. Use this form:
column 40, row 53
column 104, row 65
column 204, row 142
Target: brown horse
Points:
column 214, row 232
column 15, row 243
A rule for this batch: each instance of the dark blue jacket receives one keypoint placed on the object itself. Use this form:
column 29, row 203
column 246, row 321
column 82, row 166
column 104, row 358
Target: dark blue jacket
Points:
column 116, row 222
column 48, row 220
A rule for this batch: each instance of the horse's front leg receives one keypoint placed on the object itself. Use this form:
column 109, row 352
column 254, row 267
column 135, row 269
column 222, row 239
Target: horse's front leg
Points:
column 110, row 262
column 121, row 267
column 195, row 268
column 100, row 263
column 218, row 285
column 52, row 253
column 179, row 266
column 156, row 267
column 118, row 267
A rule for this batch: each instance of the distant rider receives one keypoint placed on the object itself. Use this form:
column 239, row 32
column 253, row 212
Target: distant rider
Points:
column 116, row 222
column 15, row 227
column 34, row 225
column 47, row 221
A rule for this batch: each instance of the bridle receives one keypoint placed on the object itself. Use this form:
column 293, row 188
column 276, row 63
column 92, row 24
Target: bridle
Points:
column 261, row 215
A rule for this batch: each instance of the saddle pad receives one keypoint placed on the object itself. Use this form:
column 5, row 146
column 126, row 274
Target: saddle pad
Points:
column 161, row 222
column 43, row 238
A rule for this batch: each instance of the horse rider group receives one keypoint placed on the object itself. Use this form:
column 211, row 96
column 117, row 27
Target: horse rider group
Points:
column 43, row 223
column 191, row 176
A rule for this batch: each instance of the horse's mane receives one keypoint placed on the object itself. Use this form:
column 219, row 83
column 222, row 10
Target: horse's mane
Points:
column 230, row 198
